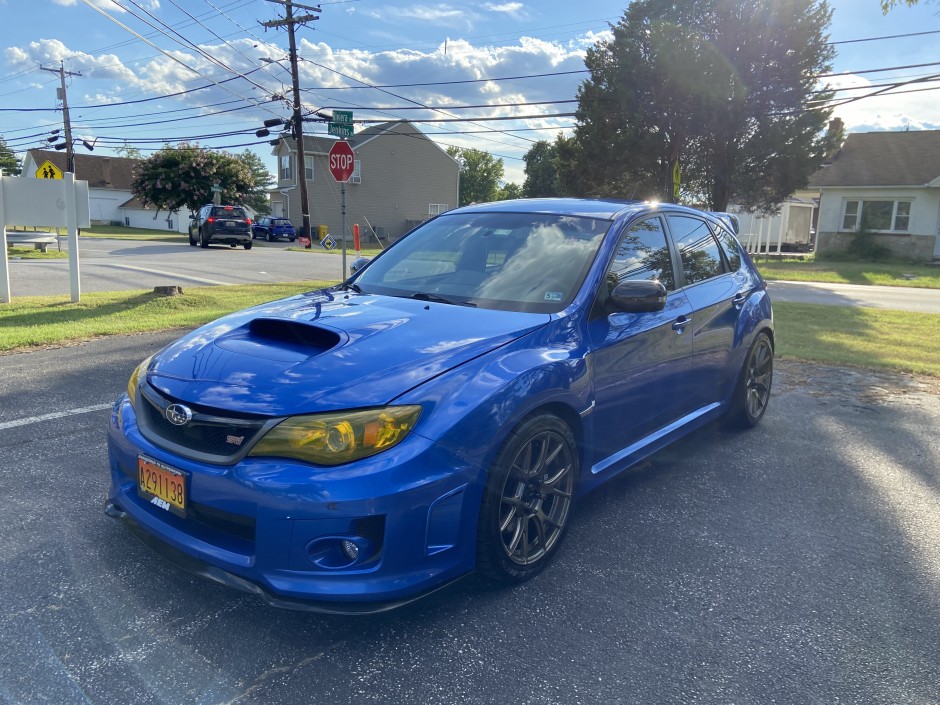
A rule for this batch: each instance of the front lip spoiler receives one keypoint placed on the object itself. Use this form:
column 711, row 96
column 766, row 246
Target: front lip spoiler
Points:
column 205, row 570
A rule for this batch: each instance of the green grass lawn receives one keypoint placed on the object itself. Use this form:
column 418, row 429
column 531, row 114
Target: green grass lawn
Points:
column 36, row 321
column 885, row 274
column 873, row 338
column 119, row 232
column 30, row 252
column 863, row 337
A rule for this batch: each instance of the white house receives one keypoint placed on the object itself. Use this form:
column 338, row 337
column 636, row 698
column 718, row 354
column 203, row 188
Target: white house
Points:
column 887, row 183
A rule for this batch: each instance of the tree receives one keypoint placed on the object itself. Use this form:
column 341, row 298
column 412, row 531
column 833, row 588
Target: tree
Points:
column 724, row 88
column 9, row 162
column 541, row 173
column 480, row 174
column 184, row 175
column 262, row 179
column 128, row 152
column 887, row 5
column 508, row 191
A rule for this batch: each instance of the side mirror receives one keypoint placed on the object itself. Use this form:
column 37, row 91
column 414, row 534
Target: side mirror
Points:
column 638, row 296
column 358, row 264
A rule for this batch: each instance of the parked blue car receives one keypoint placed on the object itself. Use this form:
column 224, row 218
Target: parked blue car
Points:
column 273, row 228
column 440, row 412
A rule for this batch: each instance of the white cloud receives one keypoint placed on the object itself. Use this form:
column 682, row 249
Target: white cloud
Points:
column 516, row 10
column 107, row 4
column 901, row 110
column 442, row 14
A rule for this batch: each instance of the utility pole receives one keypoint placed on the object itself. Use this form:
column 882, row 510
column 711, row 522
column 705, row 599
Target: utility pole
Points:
column 69, row 150
column 297, row 121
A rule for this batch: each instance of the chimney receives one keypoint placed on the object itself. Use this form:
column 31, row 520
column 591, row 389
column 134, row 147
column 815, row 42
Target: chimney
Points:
column 836, row 134
column 106, row 171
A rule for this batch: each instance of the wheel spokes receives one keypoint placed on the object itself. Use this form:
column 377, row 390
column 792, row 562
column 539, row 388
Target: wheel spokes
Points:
column 536, row 498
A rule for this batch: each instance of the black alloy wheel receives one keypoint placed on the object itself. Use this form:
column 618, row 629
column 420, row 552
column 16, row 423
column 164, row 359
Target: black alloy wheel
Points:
column 528, row 500
column 752, row 394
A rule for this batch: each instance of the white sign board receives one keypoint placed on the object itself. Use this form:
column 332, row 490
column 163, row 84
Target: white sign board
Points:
column 42, row 202
column 52, row 203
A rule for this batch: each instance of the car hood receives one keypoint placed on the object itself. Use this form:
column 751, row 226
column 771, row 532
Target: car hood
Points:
column 326, row 350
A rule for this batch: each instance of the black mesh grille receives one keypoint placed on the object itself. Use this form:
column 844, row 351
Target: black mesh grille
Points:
column 220, row 438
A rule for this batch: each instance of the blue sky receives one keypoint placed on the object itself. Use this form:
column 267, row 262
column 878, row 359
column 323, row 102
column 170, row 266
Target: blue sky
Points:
column 361, row 43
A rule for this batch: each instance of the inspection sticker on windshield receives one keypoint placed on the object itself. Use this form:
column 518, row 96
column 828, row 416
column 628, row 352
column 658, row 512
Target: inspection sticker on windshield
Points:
column 554, row 296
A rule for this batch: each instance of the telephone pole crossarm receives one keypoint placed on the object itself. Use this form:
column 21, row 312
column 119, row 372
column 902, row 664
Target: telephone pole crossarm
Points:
column 69, row 150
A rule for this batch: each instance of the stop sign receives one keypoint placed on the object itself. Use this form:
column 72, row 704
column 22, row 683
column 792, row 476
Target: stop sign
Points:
column 341, row 161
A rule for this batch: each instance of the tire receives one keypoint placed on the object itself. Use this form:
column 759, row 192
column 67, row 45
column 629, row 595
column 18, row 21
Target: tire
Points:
column 192, row 240
column 203, row 240
column 267, row 236
column 752, row 393
column 248, row 245
column 292, row 238
column 527, row 500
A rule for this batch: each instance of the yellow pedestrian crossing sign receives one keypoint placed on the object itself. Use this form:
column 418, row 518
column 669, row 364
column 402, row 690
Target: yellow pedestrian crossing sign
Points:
column 48, row 170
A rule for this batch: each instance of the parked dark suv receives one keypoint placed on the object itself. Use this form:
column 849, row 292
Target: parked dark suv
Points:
column 226, row 225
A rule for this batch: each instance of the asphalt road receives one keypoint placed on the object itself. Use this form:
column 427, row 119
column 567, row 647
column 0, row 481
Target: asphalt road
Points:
column 795, row 563
column 894, row 297
column 114, row 265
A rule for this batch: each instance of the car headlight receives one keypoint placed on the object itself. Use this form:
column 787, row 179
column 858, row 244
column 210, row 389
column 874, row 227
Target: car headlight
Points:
column 337, row 438
column 135, row 379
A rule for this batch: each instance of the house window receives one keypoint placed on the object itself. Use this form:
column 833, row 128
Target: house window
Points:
column 285, row 174
column 308, row 166
column 356, row 176
column 891, row 216
column 436, row 208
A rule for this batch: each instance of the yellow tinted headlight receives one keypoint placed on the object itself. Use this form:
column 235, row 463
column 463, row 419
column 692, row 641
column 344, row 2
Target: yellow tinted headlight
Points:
column 337, row 438
column 135, row 378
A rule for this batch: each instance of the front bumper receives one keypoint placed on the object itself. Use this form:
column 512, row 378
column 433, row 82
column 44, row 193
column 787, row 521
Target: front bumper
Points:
column 261, row 525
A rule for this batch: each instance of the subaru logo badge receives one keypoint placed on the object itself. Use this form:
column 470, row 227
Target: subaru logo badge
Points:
column 178, row 415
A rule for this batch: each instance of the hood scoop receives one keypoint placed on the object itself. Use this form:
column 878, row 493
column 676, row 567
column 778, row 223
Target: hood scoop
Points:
column 280, row 339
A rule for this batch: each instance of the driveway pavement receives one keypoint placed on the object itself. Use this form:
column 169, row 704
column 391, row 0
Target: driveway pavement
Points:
column 795, row 563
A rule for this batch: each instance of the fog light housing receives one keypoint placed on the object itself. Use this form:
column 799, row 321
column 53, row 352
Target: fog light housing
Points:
column 350, row 549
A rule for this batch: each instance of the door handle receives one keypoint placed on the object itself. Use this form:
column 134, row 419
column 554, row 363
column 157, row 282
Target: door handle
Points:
column 739, row 299
column 681, row 323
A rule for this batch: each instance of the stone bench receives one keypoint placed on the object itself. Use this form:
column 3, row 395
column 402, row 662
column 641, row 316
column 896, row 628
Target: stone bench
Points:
column 39, row 240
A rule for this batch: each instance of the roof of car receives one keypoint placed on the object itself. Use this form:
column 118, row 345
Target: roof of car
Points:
column 606, row 208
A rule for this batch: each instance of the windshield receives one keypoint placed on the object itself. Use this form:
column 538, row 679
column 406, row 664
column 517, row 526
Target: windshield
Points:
column 511, row 261
column 281, row 221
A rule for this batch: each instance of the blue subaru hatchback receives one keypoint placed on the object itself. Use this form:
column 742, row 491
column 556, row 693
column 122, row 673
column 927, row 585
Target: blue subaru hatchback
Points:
column 440, row 412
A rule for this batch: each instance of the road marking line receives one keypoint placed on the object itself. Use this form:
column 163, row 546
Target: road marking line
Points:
column 54, row 415
column 166, row 274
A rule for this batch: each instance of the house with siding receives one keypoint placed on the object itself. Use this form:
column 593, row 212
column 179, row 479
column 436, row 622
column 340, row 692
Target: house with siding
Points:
column 887, row 183
column 401, row 178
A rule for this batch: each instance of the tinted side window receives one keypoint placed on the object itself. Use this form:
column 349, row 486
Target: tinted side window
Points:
column 729, row 245
column 642, row 253
column 701, row 258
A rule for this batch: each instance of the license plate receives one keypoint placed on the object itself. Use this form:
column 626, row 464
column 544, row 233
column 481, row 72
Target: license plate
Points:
column 161, row 485
column 230, row 223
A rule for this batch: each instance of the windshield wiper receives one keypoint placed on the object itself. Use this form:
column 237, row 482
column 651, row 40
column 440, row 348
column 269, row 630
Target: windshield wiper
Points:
column 346, row 286
column 425, row 296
